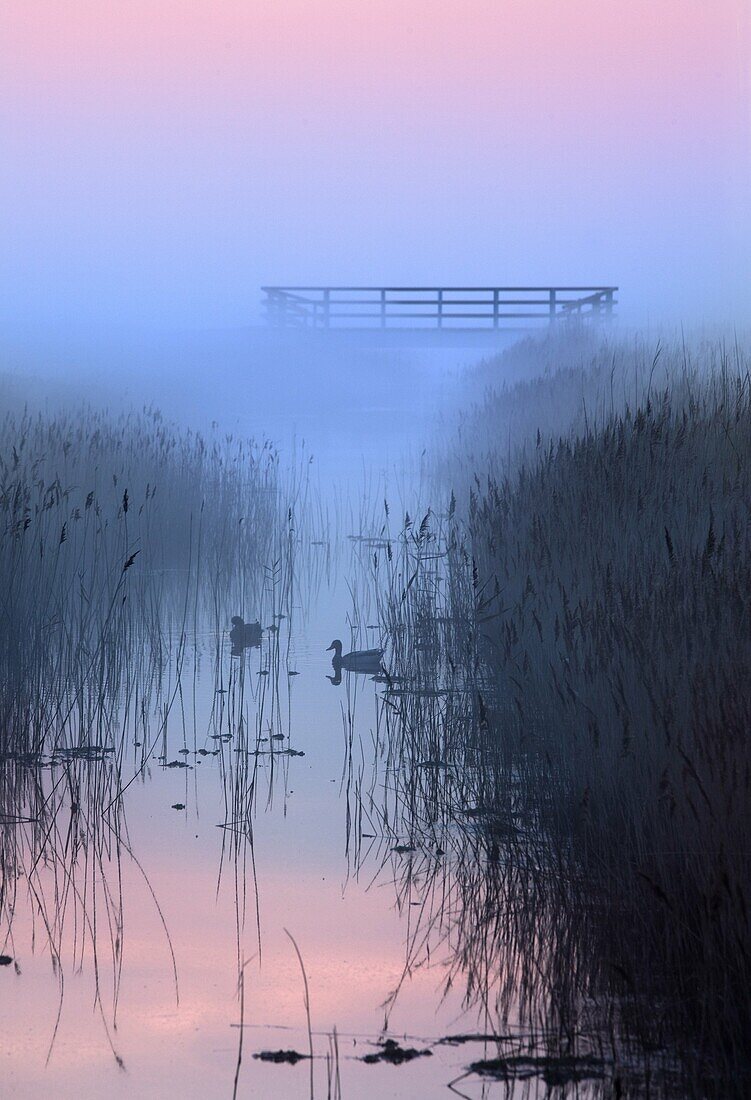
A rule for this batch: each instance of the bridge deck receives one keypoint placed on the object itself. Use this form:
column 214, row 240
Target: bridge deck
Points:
column 442, row 310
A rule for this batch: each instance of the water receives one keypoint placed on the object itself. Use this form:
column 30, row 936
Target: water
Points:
column 155, row 947
column 139, row 995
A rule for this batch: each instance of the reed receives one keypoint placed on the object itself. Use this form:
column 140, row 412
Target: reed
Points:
column 620, row 563
column 126, row 545
column 571, row 646
column 105, row 526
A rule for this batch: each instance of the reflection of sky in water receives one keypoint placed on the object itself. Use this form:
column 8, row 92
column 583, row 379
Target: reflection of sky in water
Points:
column 351, row 938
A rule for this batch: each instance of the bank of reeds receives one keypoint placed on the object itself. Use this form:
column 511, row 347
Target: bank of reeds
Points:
column 595, row 610
column 620, row 565
column 126, row 545
column 105, row 526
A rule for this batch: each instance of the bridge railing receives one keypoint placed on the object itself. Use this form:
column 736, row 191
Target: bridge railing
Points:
column 324, row 307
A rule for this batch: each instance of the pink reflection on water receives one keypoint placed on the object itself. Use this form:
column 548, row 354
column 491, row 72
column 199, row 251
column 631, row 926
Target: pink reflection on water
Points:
column 351, row 940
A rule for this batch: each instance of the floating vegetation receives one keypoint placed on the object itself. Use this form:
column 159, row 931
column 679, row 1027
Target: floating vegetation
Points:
column 472, row 1037
column 557, row 1072
column 395, row 1055
column 279, row 1057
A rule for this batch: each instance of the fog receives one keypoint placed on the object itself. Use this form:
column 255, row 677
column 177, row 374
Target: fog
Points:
column 504, row 824
column 346, row 404
column 162, row 161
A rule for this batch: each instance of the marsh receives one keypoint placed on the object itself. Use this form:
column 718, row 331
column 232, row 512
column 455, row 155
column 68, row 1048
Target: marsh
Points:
column 424, row 328
column 456, row 848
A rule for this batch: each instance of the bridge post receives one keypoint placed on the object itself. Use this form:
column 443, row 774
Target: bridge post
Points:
column 440, row 309
column 495, row 307
column 383, row 307
column 327, row 308
column 552, row 305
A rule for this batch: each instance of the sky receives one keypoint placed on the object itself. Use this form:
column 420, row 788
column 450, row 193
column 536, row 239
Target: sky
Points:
column 161, row 159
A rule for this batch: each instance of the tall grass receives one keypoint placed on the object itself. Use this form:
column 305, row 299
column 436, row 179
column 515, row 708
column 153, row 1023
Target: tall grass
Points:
column 576, row 683
column 126, row 545
column 620, row 563
column 106, row 525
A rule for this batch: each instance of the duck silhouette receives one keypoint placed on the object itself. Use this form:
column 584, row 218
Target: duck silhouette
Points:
column 367, row 661
column 244, row 635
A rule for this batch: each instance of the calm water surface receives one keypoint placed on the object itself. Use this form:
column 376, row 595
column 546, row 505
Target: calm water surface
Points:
column 155, row 943
column 140, row 995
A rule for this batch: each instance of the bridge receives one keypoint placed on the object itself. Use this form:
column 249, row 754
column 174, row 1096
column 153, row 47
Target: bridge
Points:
column 420, row 314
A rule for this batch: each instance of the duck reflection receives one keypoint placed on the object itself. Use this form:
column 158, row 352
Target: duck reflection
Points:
column 244, row 635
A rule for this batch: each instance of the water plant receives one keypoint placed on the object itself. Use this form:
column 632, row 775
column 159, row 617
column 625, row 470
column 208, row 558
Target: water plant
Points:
column 126, row 545
column 567, row 762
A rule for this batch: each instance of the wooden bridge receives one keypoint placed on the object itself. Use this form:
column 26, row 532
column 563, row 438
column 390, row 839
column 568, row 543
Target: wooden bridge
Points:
column 452, row 312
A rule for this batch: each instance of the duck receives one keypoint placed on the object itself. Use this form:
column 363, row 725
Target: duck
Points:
column 359, row 660
column 244, row 635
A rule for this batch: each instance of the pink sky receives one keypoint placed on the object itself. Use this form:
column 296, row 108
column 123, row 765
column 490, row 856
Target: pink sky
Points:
column 167, row 157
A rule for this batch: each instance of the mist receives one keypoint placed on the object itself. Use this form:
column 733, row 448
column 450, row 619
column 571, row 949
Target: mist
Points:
column 375, row 648
column 163, row 161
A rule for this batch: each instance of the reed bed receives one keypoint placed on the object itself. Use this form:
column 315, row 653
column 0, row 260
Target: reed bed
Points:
column 126, row 545
column 106, row 526
column 620, row 563
column 567, row 753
